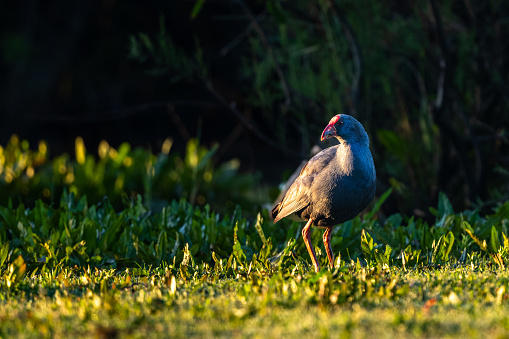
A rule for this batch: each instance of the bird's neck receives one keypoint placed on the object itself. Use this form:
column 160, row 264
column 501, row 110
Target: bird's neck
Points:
column 345, row 156
column 350, row 156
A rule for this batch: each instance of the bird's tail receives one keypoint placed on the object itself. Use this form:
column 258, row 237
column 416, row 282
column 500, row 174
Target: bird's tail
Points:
column 275, row 211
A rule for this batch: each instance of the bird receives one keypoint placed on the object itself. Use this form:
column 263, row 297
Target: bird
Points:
column 334, row 186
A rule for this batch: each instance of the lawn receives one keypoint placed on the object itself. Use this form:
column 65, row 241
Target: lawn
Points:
column 76, row 270
column 350, row 301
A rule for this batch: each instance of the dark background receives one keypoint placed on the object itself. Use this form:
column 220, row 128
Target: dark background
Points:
column 66, row 73
column 433, row 70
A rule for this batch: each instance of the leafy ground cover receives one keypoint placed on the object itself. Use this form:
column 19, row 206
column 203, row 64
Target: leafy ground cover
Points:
column 80, row 270
column 122, row 173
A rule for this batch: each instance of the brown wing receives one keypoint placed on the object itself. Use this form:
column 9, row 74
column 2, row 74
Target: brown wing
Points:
column 298, row 195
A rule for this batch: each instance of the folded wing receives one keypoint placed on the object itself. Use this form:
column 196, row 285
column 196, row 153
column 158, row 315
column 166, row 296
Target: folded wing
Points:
column 298, row 195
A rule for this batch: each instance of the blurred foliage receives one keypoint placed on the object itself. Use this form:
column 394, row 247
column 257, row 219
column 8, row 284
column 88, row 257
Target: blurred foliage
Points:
column 425, row 78
column 28, row 175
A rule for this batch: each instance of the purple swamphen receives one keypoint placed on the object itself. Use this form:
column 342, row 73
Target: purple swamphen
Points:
column 334, row 186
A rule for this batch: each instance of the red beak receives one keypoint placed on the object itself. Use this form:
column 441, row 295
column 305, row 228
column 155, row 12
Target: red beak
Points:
column 329, row 132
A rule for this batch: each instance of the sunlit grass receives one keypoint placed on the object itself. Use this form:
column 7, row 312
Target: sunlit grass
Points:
column 360, row 302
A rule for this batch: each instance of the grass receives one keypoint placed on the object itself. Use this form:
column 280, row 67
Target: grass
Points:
column 76, row 270
column 352, row 301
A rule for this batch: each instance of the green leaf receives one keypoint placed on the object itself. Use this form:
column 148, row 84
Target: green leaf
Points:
column 197, row 8
column 448, row 244
column 237, row 249
column 506, row 241
column 494, row 241
column 266, row 250
column 289, row 246
column 445, row 213
column 4, row 252
column 258, row 226
column 435, row 249
column 383, row 257
column 161, row 245
column 367, row 244
column 470, row 231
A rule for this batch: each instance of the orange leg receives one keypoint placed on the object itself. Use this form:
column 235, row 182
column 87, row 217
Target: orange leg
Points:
column 326, row 241
column 306, row 235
